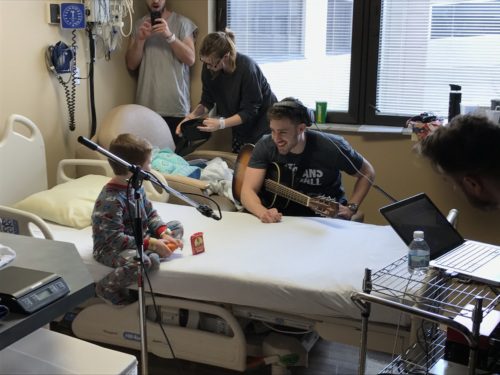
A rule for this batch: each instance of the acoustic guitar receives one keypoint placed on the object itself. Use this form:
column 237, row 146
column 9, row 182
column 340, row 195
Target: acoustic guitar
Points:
column 276, row 191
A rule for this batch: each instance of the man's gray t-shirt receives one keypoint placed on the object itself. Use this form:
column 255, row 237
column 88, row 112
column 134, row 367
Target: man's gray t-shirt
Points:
column 164, row 81
column 319, row 166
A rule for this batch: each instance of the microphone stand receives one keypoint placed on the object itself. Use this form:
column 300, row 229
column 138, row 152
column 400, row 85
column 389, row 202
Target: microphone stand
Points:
column 138, row 175
column 136, row 182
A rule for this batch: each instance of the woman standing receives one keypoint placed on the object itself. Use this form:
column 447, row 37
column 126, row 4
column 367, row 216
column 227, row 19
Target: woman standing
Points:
column 235, row 84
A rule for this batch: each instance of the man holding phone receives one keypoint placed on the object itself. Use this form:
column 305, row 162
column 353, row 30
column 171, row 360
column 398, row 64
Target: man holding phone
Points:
column 161, row 50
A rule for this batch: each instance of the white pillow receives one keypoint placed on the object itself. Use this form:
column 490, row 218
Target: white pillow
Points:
column 70, row 203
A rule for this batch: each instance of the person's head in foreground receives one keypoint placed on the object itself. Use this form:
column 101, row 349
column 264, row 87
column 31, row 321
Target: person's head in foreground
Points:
column 468, row 151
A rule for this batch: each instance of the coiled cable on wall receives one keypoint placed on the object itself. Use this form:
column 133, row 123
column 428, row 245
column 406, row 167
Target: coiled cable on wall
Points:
column 70, row 85
column 70, row 93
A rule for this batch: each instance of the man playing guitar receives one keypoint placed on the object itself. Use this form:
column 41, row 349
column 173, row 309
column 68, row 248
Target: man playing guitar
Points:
column 314, row 159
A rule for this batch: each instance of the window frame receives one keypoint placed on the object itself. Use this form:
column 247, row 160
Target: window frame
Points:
column 371, row 116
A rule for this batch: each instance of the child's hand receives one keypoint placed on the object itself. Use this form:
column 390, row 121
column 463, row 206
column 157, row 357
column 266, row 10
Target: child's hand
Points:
column 161, row 248
column 171, row 240
column 164, row 247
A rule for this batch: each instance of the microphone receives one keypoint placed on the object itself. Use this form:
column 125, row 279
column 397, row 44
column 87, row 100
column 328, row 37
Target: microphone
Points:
column 452, row 217
column 207, row 211
column 86, row 142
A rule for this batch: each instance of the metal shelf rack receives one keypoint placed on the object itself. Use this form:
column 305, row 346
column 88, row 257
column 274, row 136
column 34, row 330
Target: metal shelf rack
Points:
column 437, row 297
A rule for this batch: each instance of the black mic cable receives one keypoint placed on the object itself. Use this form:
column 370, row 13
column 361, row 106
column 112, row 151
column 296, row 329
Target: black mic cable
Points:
column 372, row 183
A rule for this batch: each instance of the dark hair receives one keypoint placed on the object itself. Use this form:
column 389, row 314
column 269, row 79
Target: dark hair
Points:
column 219, row 43
column 292, row 109
column 130, row 148
column 470, row 144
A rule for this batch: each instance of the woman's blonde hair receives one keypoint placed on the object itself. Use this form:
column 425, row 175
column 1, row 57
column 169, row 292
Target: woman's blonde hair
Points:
column 220, row 43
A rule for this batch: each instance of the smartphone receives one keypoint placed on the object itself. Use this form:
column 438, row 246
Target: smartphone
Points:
column 154, row 16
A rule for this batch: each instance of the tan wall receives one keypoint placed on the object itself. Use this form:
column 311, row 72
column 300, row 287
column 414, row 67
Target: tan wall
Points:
column 28, row 89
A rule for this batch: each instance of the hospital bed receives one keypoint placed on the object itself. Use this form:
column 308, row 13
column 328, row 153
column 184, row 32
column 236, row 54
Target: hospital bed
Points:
column 298, row 274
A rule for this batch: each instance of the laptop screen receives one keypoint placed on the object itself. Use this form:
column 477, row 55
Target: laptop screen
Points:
column 420, row 213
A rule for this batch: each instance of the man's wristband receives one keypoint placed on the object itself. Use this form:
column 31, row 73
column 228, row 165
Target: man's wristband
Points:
column 222, row 123
column 171, row 39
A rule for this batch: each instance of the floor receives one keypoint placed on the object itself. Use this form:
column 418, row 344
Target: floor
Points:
column 325, row 358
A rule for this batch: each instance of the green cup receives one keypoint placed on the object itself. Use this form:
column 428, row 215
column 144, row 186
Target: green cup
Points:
column 320, row 112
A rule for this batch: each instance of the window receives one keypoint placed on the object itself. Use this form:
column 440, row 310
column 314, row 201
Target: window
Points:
column 427, row 45
column 338, row 27
column 275, row 32
column 377, row 61
column 288, row 39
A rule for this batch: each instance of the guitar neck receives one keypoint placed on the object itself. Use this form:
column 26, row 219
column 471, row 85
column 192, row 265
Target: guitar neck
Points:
column 286, row 192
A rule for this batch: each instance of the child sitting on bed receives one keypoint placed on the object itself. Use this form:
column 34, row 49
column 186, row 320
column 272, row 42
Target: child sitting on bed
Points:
column 113, row 220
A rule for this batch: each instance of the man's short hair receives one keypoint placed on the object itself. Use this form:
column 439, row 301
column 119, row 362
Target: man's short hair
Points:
column 470, row 144
column 292, row 109
column 130, row 148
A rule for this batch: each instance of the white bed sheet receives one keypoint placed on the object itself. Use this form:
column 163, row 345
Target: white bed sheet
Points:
column 305, row 266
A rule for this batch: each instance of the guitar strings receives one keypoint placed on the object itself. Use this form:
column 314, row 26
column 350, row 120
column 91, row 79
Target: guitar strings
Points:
column 372, row 183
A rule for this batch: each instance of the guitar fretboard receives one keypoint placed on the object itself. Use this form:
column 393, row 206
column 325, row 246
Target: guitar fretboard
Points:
column 286, row 192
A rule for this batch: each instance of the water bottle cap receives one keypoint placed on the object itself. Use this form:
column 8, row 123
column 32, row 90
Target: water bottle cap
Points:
column 418, row 234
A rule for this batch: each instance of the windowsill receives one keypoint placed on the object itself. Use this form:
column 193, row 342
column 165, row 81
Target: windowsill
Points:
column 379, row 129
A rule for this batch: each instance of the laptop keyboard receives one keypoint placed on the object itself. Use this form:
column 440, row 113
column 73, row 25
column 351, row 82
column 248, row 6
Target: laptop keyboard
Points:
column 470, row 256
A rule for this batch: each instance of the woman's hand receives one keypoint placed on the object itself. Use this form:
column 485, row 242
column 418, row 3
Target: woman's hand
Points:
column 178, row 128
column 210, row 125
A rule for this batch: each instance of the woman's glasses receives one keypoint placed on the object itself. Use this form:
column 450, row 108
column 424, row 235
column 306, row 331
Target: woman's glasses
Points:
column 211, row 65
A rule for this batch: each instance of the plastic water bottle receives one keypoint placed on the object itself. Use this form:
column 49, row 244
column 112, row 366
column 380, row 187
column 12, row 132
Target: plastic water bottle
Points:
column 418, row 254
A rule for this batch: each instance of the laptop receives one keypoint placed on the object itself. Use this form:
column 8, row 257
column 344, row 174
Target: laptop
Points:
column 449, row 250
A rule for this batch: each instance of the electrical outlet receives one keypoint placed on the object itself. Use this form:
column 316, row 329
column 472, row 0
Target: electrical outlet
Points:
column 53, row 13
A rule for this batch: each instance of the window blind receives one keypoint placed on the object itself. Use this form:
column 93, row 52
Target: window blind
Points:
column 268, row 30
column 302, row 46
column 426, row 45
